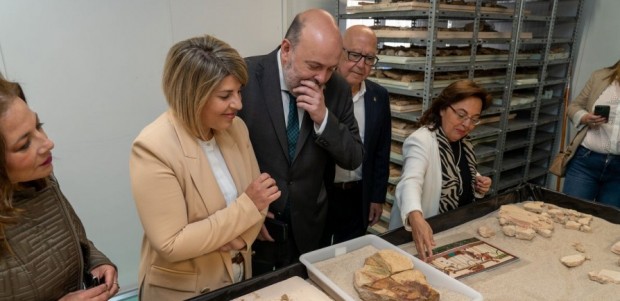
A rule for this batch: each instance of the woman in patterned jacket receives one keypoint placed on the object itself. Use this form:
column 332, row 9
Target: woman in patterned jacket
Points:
column 44, row 252
column 439, row 171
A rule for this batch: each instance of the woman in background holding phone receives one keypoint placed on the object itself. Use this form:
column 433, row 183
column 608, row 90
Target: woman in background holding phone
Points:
column 594, row 171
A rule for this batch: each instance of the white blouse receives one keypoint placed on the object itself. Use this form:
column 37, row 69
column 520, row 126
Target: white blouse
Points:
column 220, row 170
column 227, row 186
column 605, row 138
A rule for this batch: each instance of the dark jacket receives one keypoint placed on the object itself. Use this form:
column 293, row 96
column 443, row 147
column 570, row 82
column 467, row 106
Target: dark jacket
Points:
column 377, row 141
column 301, row 181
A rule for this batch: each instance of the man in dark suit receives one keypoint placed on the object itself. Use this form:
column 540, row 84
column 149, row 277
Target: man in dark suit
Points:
column 356, row 197
column 297, row 145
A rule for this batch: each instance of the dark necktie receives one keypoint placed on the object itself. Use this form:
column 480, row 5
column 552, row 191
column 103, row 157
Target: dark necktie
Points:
column 292, row 128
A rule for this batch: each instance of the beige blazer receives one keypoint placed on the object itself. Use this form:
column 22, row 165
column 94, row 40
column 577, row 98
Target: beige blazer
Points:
column 183, row 211
column 595, row 86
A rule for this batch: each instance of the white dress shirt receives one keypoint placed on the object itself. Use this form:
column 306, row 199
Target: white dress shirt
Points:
column 220, row 170
column 227, row 186
column 359, row 110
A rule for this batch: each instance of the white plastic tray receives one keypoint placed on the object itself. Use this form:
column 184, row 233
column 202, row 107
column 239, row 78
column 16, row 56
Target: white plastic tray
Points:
column 295, row 288
column 435, row 278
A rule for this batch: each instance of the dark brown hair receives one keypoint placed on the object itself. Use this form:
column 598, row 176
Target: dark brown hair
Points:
column 452, row 94
column 294, row 31
column 9, row 93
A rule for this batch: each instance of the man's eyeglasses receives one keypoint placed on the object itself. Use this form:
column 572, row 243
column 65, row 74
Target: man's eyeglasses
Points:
column 369, row 60
column 462, row 115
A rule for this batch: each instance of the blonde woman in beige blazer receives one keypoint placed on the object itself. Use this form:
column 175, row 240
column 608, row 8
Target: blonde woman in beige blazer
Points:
column 593, row 173
column 196, row 183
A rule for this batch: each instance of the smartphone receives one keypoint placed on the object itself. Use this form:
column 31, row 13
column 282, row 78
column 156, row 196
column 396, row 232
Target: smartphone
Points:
column 91, row 281
column 602, row 111
column 277, row 229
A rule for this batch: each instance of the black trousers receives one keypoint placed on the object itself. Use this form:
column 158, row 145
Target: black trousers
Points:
column 268, row 256
column 345, row 218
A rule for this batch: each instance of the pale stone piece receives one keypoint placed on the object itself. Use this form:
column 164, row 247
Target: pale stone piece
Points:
column 558, row 215
column 605, row 276
column 525, row 233
column 536, row 207
column 509, row 230
column 585, row 220
column 485, row 231
column 616, row 248
column 573, row 225
column 551, row 206
column 585, row 228
column 523, row 218
column 572, row 212
column 560, row 219
column 549, row 221
column 502, row 221
column 544, row 232
column 579, row 247
column 573, row 260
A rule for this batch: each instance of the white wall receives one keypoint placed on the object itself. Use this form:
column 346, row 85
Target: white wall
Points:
column 253, row 27
column 92, row 70
column 600, row 45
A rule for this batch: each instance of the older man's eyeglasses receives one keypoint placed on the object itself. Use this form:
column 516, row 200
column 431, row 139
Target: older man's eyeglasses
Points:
column 462, row 115
column 369, row 60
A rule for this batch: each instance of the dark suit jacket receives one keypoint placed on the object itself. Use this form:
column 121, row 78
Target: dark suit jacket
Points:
column 377, row 141
column 301, row 182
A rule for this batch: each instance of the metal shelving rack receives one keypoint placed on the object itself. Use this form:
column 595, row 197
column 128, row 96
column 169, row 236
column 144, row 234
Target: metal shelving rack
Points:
column 520, row 149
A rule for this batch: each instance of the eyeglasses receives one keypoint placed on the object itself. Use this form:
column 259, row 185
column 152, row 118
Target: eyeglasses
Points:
column 369, row 60
column 462, row 115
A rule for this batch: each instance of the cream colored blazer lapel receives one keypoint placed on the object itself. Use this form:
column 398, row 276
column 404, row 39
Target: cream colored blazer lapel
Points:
column 201, row 172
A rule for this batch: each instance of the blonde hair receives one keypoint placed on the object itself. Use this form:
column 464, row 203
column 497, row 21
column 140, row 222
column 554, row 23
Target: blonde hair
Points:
column 193, row 69
column 615, row 75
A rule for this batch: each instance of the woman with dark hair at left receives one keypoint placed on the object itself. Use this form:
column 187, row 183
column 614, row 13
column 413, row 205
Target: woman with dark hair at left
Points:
column 44, row 252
